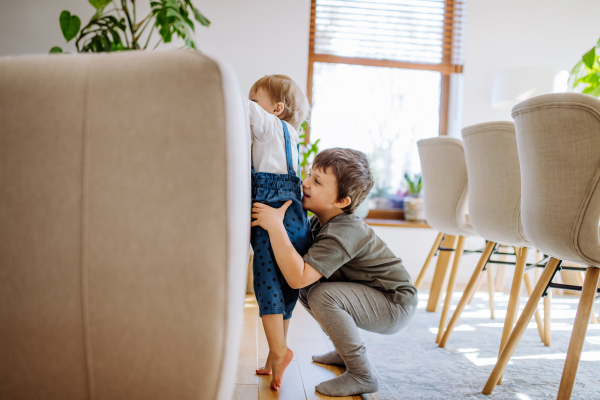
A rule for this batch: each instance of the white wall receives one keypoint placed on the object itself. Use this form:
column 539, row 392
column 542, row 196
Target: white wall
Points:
column 521, row 33
column 259, row 37
column 256, row 37
column 262, row 37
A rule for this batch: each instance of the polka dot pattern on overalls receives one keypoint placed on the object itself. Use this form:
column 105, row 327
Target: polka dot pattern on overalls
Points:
column 273, row 294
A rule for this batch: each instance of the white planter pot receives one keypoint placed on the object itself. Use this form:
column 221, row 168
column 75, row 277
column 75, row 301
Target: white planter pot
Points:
column 413, row 209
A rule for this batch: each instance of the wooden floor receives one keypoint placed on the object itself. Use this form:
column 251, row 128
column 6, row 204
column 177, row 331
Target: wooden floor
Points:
column 305, row 338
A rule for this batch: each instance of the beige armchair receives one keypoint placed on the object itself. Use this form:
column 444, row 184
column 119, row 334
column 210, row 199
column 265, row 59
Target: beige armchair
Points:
column 124, row 226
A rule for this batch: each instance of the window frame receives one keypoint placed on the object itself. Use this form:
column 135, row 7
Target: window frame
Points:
column 445, row 68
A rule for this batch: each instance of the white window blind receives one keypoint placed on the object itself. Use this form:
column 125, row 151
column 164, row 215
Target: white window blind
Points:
column 426, row 32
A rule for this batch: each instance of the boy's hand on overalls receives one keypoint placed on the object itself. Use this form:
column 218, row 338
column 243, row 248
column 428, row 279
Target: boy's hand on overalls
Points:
column 268, row 218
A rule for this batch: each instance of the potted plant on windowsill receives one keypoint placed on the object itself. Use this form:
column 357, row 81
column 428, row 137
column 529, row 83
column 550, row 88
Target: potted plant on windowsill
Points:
column 413, row 204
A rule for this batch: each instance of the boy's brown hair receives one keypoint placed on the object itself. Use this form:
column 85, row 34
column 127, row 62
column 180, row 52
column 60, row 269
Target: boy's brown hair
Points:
column 351, row 171
column 281, row 88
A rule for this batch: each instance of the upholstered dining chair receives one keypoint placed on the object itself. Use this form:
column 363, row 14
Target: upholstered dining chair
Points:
column 445, row 185
column 494, row 210
column 124, row 226
column 558, row 139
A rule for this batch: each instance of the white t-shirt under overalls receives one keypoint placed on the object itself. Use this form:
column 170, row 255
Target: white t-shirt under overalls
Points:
column 268, row 143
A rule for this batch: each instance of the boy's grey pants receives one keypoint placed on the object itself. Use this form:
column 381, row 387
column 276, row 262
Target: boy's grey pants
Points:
column 343, row 307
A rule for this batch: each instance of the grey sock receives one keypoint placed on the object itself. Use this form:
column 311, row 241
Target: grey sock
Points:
column 348, row 384
column 331, row 358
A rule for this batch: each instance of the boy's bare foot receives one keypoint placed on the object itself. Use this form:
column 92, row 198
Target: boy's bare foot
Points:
column 279, row 364
column 266, row 370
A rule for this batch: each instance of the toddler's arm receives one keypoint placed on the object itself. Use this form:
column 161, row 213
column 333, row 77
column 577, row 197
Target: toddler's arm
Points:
column 262, row 123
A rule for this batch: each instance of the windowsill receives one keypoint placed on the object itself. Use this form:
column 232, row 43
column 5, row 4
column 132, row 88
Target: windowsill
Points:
column 398, row 223
column 391, row 218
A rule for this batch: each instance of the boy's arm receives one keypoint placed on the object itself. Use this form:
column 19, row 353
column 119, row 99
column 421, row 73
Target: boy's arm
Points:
column 296, row 272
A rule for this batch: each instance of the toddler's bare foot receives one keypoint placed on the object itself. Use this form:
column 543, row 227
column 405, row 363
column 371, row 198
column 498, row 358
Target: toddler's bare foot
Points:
column 279, row 365
column 266, row 370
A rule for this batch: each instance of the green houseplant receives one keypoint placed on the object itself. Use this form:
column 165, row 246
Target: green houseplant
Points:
column 115, row 27
column 308, row 151
column 413, row 204
column 585, row 76
column 415, row 184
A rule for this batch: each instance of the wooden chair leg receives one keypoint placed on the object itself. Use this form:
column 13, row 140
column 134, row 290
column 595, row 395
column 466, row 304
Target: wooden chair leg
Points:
column 517, row 333
column 499, row 280
column 441, row 271
column 538, row 318
column 477, row 287
column 491, row 288
column 500, row 273
column 537, row 274
column 547, row 318
column 593, row 319
column 467, row 293
column 431, row 254
column 592, row 306
column 578, row 336
column 450, row 289
column 513, row 300
column 480, row 281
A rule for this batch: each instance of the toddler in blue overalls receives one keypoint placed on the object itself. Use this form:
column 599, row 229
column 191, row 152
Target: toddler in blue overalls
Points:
column 276, row 109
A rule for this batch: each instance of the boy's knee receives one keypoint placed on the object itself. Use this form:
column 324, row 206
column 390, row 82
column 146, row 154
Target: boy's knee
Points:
column 303, row 297
column 319, row 295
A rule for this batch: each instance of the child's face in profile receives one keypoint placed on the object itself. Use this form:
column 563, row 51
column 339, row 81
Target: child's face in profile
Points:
column 319, row 191
column 261, row 98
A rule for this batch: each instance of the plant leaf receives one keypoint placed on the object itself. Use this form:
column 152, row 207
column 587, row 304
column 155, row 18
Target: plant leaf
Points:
column 589, row 58
column 55, row 49
column 576, row 67
column 200, row 18
column 591, row 78
column 98, row 4
column 594, row 90
column 69, row 25
column 173, row 12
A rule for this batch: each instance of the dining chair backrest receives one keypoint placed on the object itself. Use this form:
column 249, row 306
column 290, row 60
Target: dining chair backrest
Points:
column 495, row 182
column 558, row 138
column 445, row 185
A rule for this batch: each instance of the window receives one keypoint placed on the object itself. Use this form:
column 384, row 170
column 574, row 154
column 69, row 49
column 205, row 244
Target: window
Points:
column 379, row 77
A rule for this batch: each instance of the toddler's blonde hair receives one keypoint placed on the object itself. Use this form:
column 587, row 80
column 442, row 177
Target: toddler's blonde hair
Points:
column 281, row 88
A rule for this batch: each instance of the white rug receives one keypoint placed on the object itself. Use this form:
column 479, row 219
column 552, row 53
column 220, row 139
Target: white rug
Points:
column 411, row 366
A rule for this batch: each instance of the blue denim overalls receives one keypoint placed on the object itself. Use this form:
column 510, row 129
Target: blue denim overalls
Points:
column 273, row 294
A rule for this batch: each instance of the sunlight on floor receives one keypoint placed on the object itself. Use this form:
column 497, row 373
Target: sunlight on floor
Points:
column 523, row 396
column 563, row 308
column 467, row 350
column 585, row 356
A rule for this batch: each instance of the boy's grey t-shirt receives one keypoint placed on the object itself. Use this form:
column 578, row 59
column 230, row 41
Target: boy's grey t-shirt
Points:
column 346, row 249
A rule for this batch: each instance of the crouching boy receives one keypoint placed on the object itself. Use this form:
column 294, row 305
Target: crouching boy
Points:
column 349, row 278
